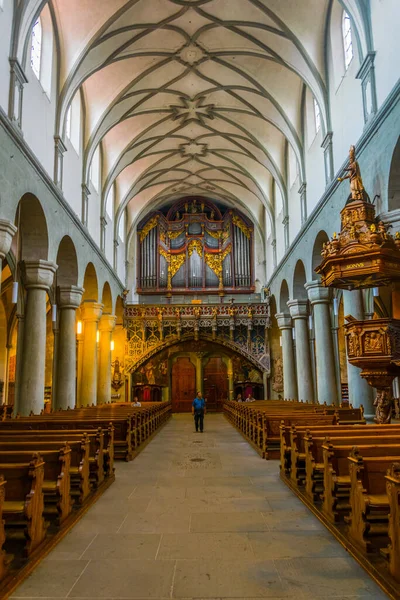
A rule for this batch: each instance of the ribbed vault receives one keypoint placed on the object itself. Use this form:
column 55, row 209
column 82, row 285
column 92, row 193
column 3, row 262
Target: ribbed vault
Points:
column 192, row 96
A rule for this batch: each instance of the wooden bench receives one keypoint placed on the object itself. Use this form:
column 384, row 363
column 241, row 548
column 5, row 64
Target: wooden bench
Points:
column 369, row 517
column 392, row 552
column 56, row 485
column 336, row 477
column 24, row 502
column 5, row 559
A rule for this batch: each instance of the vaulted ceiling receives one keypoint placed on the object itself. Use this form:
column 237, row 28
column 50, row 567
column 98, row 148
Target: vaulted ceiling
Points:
column 192, row 96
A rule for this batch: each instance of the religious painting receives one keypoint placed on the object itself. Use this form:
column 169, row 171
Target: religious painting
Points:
column 153, row 372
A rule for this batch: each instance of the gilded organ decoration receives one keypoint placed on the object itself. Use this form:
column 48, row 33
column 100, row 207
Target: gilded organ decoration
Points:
column 195, row 245
column 148, row 227
column 209, row 249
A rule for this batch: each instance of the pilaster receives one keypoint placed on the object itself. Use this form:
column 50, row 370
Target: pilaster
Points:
column 15, row 102
column 59, row 150
column 328, row 157
column 366, row 73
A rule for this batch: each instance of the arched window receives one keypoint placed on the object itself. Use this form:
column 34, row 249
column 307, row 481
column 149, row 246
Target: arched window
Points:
column 94, row 171
column 347, row 40
column 121, row 228
column 110, row 203
column 317, row 116
column 68, row 122
column 36, row 47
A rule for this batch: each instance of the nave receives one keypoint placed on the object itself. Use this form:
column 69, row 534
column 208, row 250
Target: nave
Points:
column 198, row 516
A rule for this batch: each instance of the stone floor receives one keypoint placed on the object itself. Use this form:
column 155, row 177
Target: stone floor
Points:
column 198, row 516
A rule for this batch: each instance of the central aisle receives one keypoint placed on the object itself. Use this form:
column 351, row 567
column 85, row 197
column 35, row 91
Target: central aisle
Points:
column 198, row 516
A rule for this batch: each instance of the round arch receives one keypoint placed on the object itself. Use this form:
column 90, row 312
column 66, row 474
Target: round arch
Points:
column 106, row 299
column 316, row 257
column 90, row 284
column 299, row 279
column 284, row 297
column 33, row 238
column 67, row 261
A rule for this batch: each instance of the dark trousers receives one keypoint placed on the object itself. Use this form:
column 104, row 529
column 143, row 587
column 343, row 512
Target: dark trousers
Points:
column 199, row 419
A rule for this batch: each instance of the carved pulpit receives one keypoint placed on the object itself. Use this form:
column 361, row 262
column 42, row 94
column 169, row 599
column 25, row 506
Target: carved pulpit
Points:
column 363, row 255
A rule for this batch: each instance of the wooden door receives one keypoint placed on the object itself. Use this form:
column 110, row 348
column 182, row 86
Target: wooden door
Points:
column 215, row 383
column 183, row 385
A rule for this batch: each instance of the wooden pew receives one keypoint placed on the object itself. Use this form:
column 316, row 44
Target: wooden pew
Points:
column 80, row 487
column 313, row 444
column 335, row 495
column 392, row 552
column 70, row 436
column 96, row 448
column 5, row 559
column 369, row 517
column 56, row 485
column 24, row 503
column 298, row 441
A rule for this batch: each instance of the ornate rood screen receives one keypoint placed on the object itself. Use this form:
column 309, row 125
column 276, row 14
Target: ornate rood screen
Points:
column 195, row 248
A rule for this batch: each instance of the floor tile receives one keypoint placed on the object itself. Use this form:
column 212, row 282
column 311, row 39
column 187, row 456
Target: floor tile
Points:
column 125, row 579
column 225, row 527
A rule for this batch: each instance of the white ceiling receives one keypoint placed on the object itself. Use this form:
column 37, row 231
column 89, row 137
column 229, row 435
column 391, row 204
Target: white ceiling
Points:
column 192, row 96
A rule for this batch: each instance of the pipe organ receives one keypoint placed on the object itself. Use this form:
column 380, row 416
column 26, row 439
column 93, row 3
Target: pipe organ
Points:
column 195, row 247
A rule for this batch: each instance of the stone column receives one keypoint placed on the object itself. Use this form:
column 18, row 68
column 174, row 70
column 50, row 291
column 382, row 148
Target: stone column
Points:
column 359, row 390
column 69, row 298
column 106, row 327
column 324, row 356
column 38, row 277
column 289, row 370
column 299, row 313
column 199, row 372
column 91, row 313
column 7, row 232
column 18, row 366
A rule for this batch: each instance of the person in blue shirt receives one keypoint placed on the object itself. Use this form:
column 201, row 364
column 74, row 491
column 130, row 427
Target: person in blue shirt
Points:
column 198, row 410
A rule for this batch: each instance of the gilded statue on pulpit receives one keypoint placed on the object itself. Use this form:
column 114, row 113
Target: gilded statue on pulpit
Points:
column 354, row 174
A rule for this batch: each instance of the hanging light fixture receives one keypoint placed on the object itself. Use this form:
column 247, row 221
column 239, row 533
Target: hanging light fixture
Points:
column 79, row 327
column 112, row 346
column 54, row 313
column 335, row 307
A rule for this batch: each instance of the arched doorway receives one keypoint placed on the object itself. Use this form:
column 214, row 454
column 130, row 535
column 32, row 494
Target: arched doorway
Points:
column 215, row 383
column 183, row 384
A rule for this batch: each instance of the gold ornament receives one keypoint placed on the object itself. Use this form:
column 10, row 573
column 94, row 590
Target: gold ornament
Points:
column 195, row 245
column 174, row 234
column 214, row 234
column 236, row 220
column 165, row 254
column 177, row 260
column 148, row 227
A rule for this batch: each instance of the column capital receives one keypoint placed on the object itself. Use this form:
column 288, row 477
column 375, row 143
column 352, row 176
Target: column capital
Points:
column 70, row 296
column 298, row 309
column 91, row 311
column 38, row 274
column 7, row 232
column 107, row 322
column 317, row 293
column 284, row 321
